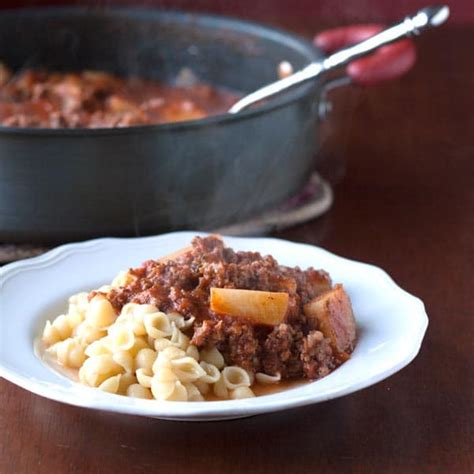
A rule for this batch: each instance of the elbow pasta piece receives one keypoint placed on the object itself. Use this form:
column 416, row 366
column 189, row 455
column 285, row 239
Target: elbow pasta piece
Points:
column 212, row 373
column 137, row 391
column 266, row 379
column 100, row 313
column 97, row 369
column 220, row 389
column 187, row 369
column 111, row 384
column 157, row 325
column 241, row 392
column 125, row 359
column 213, row 356
column 235, row 377
column 145, row 358
column 144, row 377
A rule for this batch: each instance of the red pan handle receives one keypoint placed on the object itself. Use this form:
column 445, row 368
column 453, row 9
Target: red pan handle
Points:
column 388, row 62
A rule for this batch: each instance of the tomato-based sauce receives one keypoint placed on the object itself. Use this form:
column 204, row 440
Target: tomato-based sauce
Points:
column 92, row 99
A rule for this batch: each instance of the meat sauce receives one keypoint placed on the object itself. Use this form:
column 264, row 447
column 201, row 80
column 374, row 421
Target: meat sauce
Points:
column 297, row 348
column 92, row 99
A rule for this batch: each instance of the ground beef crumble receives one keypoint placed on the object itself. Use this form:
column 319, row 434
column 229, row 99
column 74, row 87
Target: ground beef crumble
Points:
column 292, row 349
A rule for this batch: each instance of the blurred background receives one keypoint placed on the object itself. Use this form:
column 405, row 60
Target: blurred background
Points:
column 303, row 12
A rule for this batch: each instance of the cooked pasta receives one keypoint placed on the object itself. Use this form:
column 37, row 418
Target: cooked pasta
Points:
column 142, row 352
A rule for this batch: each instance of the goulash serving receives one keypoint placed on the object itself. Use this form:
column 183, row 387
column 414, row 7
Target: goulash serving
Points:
column 205, row 323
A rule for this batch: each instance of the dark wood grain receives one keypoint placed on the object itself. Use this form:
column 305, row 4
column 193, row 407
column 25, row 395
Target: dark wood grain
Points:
column 401, row 157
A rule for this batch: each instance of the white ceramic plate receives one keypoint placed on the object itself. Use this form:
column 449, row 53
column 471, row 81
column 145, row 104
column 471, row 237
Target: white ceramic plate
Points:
column 391, row 323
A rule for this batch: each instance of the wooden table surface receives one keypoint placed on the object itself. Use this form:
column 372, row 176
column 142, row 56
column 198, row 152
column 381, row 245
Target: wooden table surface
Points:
column 401, row 156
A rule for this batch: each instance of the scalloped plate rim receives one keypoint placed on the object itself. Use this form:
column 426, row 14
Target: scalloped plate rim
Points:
column 74, row 394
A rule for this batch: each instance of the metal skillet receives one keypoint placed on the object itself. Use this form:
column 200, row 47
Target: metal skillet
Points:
column 70, row 184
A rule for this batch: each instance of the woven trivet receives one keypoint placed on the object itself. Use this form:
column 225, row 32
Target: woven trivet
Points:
column 313, row 200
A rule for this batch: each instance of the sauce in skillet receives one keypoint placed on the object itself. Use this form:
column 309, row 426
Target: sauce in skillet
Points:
column 92, row 99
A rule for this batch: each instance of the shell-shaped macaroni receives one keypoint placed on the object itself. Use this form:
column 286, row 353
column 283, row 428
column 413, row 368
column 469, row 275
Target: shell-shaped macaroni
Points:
column 180, row 321
column 126, row 380
column 138, row 317
column 157, row 325
column 212, row 373
column 99, row 347
column 145, row 359
column 144, row 377
column 203, row 387
column 165, row 374
column 138, row 391
column 173, row 391
column 151, row 341
column 74, row 316
column 139, row 344
column 125, row 359
column 187, row 369
column 192, row 351
column 220, row 390
column 123, row 278
column 87, row 334
column 194, row 395
column 166, row 356
column 56, row 331
column 51, row 334
column 121, row 337
column 100, row 313
column 176, row 318
column 68, row 353
column 188, row 323
column 241, row 392
column 80, row 301
column 251, row 376
column 111, row 384
column 235, row 377
column 179, row 339
column 161, row 344
column 97, row 369
column 267, row 379
column 213, row 356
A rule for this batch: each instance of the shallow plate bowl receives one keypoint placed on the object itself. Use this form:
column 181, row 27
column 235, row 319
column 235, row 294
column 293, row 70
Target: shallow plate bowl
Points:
column 391, row 323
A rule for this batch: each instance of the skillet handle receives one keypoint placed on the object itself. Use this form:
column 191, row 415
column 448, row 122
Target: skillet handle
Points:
column 386, row 63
